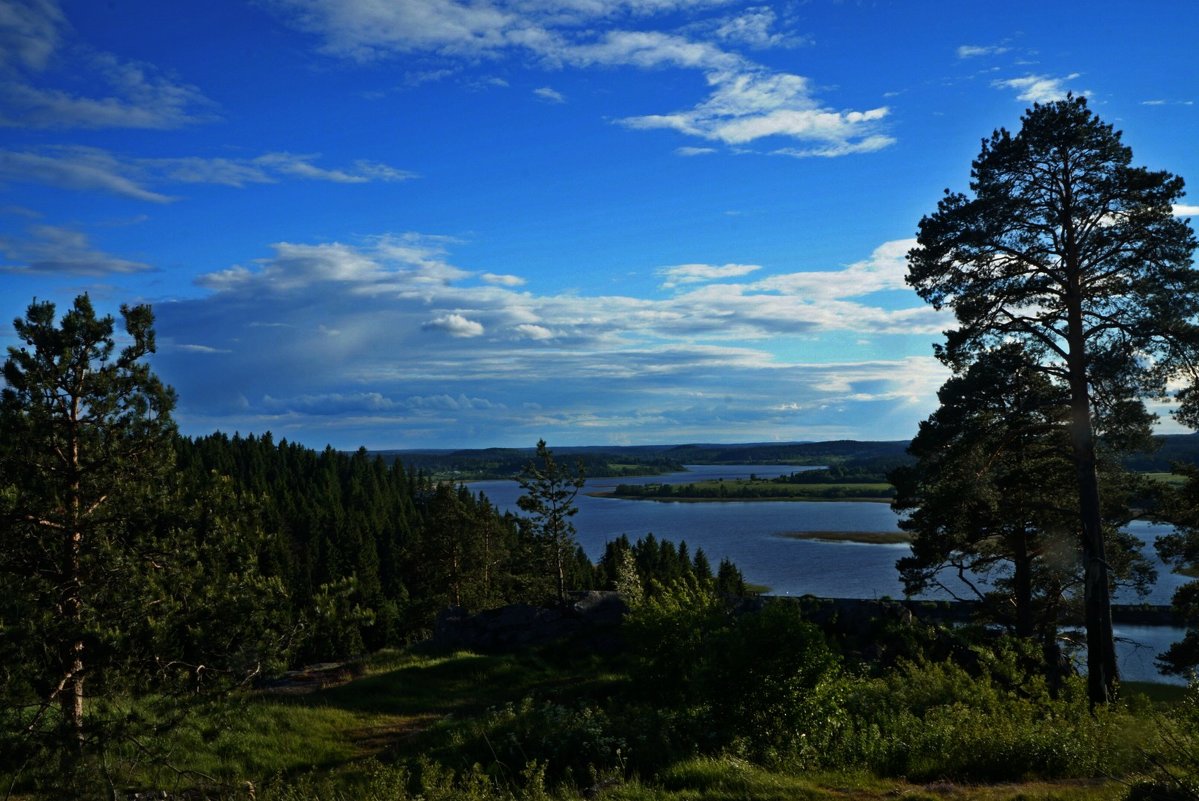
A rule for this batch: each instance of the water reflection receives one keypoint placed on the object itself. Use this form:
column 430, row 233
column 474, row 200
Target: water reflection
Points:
column 748, row 533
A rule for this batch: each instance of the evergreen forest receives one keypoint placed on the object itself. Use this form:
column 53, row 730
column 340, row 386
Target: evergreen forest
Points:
column 235, row 617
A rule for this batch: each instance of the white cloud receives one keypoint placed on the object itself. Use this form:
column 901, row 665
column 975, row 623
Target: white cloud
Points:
column 301, row 166
column 974, row 51
column 449, row 402
column 746, row 101
column 755, row 28
column 745, row 106
column 365, row 31
column 1185, row 210
column 455, row 325
column 30, row 32
column 331, row 403
column 698, row 273
column 53, row 250
column 413, row 325
column 409, row 274
column 85, row 169
column 886, row 269
column 93, row 169
column 1039, row 88
column 34, row 51
column 202, row 349
column 503, row 280
column 420, row 78
column 532, row 331
column 869, row 144
column 408, row 263
column 694, row 151
column 549, row 95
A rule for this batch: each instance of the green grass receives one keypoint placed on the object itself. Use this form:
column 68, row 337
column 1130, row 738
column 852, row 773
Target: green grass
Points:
column 729, row 779
column 1152, row 691
column 408, row 705
column 405, row 704
column 1173, row 479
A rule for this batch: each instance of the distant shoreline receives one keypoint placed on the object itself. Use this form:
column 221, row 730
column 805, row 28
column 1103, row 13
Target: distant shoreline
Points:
column 730, row 499
column 864, row 537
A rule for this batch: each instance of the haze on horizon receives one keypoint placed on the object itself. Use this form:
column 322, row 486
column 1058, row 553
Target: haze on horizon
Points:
column 441, row 224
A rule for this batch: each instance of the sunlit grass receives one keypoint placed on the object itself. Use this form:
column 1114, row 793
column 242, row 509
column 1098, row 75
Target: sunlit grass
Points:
column 729, row 779
column 405, row 704
column 408, row 705
column 1173, row 479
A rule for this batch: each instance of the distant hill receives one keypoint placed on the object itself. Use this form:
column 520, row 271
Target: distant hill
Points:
column 1173, row 448
column 806, row 453
column 631, row 460
column 489, row 463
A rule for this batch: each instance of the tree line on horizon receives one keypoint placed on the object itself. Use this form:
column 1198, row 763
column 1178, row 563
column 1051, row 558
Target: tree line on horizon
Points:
column 145, row 572
column 138, row 564
column 394, row 546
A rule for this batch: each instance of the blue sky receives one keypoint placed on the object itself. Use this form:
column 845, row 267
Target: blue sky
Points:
column 430, row 223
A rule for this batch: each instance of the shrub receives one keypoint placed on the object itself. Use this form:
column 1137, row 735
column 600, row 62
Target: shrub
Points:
column 761, row 682
column 1175, row 775
column 938, row 721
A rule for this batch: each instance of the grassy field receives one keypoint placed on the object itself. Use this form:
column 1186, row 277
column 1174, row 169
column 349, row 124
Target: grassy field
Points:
column 1173, row 479
column 403, row 704
column 407, row 708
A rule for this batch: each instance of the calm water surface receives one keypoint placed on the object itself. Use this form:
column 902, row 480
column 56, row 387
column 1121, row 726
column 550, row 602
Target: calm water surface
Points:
column 749, row 534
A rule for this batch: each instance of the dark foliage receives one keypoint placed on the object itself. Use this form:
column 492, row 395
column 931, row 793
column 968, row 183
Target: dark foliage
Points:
column 1065, row 247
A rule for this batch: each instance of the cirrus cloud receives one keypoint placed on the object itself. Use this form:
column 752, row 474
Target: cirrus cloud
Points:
column 93, row 169
column 697, row 273
column 57, row 250
column 746, row 100
column 36, row 48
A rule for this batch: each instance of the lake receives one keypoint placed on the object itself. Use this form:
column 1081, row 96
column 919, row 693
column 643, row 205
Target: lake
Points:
column 749, row 534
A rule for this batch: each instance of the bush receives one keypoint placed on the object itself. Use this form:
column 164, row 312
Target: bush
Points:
column 938, row 721
column 573, row 744
column 762, row 683
column 429, row 781
column 1176, row 760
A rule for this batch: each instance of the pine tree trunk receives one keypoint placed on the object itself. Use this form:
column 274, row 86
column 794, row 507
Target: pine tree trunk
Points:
column 1102, row 672
column 72, row 699
column 71, row 695
column 1022, row 587
column 1097, row 611
column 561, row 574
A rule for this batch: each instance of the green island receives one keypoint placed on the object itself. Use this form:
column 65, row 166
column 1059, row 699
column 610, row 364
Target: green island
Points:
column 235, row 618
column 857, row 480
column 743, row 490
column 863, row 537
